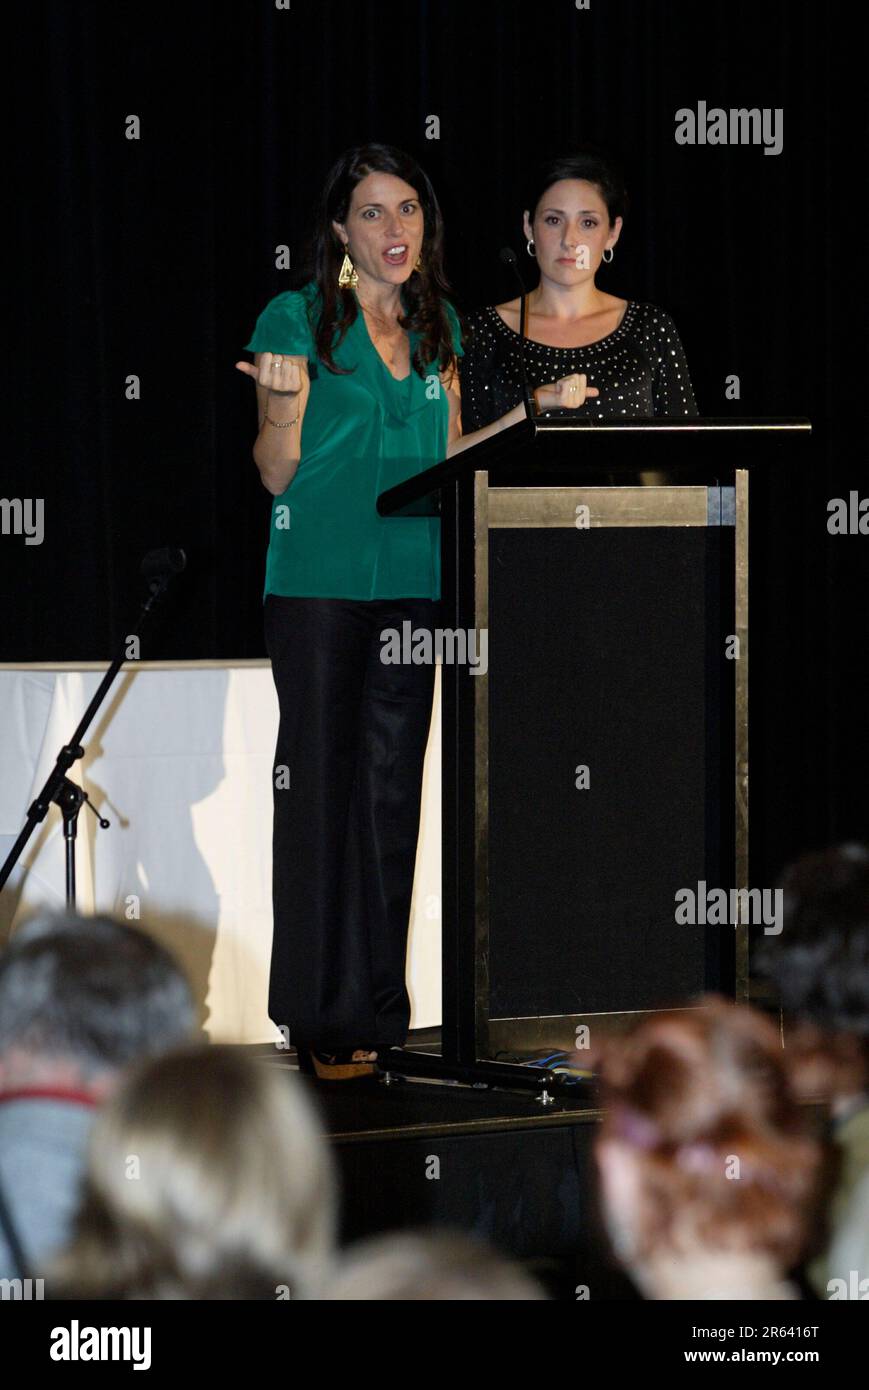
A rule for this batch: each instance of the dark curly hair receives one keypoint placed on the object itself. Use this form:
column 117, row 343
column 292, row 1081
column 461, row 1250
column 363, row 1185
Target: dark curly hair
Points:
column 690, row 1092
column 422, row 294
column 820, row 963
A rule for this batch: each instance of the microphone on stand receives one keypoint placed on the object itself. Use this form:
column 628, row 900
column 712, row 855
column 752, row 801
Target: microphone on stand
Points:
column 159, row 566
column 508, row 256
column 166, row 561
column 157, row 569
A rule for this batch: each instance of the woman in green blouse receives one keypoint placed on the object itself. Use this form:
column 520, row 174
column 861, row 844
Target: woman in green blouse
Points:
column 357, row 389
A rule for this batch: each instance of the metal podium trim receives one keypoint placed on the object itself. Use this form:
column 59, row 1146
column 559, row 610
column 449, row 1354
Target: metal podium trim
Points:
column 607, row 506
column 740, row 599
column 482, row 496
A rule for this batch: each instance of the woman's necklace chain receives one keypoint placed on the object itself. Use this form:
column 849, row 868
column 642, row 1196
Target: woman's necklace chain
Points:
column 378, row 319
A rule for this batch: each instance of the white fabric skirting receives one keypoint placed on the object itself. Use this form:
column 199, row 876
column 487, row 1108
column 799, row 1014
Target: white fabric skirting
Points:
column 179, row 759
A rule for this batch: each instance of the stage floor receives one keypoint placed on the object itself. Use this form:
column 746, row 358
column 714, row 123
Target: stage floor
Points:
column 496, row 1163
column 407, row 1107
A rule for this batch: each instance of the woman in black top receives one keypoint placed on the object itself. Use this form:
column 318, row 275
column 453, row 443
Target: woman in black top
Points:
column 628, row 354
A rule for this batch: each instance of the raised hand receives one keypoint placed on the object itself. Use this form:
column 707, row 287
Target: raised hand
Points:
column 279, row 375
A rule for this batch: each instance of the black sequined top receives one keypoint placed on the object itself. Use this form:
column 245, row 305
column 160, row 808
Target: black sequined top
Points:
column 639, row 369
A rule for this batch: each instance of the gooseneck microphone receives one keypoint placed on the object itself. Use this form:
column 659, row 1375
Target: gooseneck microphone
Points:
column 158, row 569
column 508, row 256
column 162, row 564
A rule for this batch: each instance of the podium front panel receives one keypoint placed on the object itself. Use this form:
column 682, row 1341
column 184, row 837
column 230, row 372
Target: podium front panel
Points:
column 605, row 728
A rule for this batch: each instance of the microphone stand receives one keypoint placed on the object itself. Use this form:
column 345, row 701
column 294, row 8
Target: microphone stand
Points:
column 159, row 567
column 508, row 256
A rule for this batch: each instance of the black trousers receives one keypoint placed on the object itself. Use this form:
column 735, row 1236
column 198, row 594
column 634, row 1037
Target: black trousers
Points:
column 351, row 746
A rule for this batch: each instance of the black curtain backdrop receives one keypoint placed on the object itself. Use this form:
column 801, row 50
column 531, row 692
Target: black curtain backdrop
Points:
column 153, row 257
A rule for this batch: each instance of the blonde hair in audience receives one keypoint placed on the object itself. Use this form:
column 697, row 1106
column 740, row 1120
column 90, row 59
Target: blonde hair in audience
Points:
column 208, row 1177
column 429, row 1266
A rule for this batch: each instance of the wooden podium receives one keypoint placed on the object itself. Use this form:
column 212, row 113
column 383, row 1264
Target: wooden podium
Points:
column 595, row 763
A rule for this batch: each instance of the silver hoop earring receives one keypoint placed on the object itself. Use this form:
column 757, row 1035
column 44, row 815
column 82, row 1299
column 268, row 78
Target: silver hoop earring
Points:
column 531, row 249
column 609, row 257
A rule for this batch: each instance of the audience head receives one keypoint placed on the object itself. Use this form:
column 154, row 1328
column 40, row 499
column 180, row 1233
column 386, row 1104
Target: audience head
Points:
column 704, row 1154
column 208, row 1177
column 422, row 1266
column 82, row 997
column 820, row 963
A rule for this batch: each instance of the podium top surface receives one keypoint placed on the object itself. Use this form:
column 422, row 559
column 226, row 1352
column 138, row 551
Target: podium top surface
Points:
column 548, row 447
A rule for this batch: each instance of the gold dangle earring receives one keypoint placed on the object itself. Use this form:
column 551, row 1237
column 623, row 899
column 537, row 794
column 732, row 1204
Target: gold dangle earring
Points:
column 347, row 274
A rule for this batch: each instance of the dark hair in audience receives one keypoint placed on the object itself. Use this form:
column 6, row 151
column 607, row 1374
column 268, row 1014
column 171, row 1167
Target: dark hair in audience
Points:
column 92, row 990
column 422, row 293
column 820, row 961
column 592, row 164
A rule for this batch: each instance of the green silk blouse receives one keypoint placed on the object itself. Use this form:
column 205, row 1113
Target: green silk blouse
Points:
column 361, row 433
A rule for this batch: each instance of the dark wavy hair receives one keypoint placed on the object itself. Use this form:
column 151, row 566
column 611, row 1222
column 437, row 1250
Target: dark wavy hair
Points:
column 592, row 164
column 422, row 294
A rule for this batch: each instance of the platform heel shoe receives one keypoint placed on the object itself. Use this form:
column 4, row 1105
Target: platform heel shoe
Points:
column 337, row 1066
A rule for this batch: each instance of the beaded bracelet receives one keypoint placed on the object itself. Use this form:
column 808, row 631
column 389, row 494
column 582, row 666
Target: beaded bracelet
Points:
column 280, row 425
